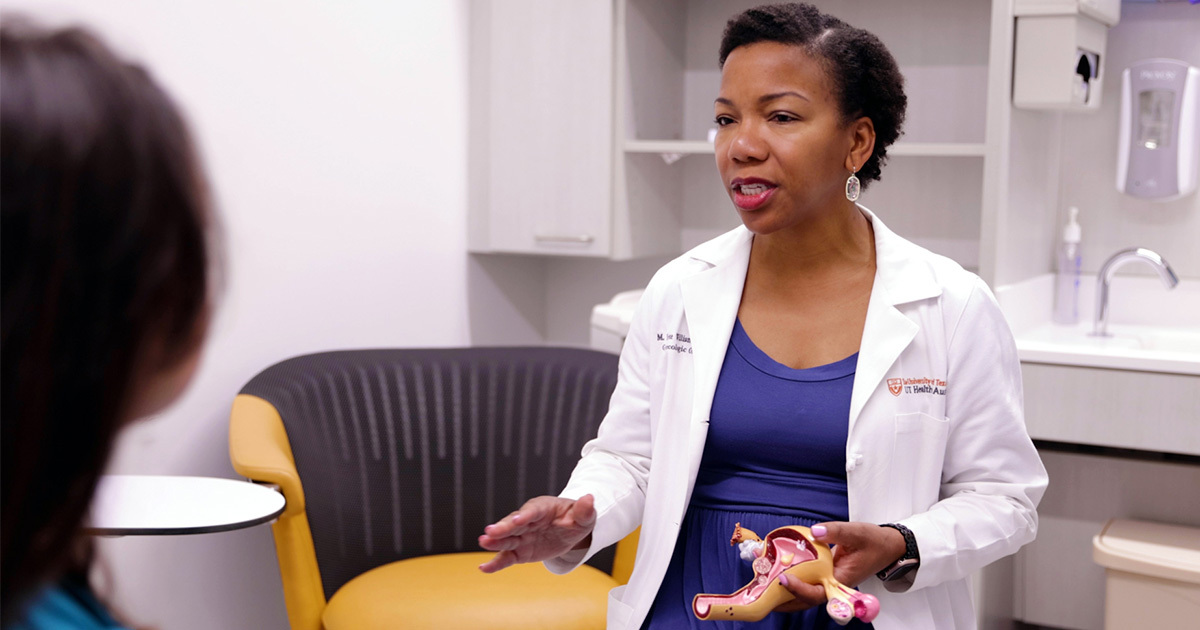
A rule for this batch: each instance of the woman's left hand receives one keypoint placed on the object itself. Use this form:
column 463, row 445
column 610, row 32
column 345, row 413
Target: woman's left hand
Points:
column 860, row 550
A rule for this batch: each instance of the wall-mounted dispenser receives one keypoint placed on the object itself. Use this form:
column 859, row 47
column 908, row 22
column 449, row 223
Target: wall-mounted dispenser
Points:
column 1159, row 147
column 1059, row 52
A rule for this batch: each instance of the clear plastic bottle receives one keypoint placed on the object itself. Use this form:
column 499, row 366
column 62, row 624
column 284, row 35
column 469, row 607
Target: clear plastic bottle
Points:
column 1066, row 281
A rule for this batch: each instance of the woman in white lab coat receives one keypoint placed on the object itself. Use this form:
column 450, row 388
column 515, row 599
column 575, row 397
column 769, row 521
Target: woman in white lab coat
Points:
column 809, row 367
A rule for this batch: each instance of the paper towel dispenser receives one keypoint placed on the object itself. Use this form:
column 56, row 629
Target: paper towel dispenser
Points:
column 1059, row 52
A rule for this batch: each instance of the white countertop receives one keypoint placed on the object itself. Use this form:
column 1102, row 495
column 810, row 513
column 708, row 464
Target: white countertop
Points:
column 1153, row 329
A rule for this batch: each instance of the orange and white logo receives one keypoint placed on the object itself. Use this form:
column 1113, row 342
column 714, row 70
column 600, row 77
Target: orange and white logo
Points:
column 916, row 386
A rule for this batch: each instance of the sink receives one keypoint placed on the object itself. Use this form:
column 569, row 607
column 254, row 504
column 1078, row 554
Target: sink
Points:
column 1153, row 329
column 1131, row 347
column 1137, row 390
column 1185, row 342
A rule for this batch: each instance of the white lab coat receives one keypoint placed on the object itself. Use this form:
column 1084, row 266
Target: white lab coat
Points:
column 943, row 450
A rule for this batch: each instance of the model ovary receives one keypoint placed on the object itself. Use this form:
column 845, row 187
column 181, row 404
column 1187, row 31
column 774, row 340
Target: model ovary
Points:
column 791, row 550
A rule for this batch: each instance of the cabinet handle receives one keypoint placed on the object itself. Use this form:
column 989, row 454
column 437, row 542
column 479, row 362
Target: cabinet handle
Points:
column 582, row 239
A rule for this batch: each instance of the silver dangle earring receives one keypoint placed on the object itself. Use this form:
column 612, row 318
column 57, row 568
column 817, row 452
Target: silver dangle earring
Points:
column 853, row 187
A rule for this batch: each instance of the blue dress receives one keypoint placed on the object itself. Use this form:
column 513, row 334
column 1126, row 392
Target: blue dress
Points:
column 775, row 455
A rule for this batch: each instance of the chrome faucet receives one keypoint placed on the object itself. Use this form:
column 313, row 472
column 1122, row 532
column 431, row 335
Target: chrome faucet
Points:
column 1116, row 261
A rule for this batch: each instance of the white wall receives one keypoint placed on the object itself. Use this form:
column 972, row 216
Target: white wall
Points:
column 1062, row 159
column 575, row 285
column 1111, row 220
column 335, row 140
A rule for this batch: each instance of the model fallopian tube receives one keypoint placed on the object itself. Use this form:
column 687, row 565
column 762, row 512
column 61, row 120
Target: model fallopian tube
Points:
column 794, row 551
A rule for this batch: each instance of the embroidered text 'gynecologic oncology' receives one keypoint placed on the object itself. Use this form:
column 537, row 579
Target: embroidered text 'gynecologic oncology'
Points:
column 679, row 342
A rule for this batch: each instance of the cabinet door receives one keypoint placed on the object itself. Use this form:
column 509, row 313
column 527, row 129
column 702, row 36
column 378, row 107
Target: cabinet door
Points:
column 550, row 138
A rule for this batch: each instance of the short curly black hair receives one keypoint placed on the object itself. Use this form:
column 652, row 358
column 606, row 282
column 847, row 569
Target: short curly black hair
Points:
column 863, row 72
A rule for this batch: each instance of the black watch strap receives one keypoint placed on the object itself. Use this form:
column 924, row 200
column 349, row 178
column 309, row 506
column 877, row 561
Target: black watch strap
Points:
column 908, row 562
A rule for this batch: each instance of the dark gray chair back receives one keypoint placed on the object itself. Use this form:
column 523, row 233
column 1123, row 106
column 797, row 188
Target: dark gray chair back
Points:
column 407, row 453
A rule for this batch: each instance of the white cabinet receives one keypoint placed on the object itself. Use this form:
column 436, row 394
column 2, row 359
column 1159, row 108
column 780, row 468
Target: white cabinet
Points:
column 542, row 102
column 590, row 121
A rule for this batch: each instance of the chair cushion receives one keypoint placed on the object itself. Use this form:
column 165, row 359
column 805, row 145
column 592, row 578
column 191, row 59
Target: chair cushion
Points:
column 449, row 591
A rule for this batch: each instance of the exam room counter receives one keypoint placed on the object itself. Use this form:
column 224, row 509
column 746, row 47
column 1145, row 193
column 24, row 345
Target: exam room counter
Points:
column 1138, row 390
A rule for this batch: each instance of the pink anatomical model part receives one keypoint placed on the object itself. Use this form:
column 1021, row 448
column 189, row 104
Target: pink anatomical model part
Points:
column 791, row 550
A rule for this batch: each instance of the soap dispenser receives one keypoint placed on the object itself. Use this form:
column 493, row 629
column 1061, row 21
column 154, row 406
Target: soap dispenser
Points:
column 1066, row 281
column 1159, row 139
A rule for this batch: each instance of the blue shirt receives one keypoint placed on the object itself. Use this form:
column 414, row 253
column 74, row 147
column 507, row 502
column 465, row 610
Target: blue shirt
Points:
column 68, row 605
column 777, row 436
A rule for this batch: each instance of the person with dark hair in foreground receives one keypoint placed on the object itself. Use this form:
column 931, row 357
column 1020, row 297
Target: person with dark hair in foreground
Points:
column 807, row 368
column 106, row 277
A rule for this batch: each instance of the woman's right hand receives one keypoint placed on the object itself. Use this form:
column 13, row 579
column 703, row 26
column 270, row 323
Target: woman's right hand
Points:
column 545, row 527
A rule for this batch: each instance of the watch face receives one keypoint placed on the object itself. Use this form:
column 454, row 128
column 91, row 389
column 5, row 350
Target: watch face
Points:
column 901, row 569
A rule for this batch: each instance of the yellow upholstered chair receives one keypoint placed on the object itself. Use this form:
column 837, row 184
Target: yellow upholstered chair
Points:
column 393, row 461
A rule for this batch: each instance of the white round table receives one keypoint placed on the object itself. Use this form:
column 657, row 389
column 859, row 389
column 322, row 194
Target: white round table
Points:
column 162, row 505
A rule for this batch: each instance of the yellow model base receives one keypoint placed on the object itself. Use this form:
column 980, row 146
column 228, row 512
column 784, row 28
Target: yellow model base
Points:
column 449, row 591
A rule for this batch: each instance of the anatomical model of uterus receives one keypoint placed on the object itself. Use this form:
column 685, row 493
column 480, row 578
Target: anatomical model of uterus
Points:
column 794, row 551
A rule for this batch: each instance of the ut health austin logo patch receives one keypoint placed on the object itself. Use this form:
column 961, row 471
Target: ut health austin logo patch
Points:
column 926, row 385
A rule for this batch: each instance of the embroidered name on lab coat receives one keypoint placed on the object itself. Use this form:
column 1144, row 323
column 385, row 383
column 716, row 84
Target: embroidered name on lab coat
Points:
column 916, row 386
column 678, row 342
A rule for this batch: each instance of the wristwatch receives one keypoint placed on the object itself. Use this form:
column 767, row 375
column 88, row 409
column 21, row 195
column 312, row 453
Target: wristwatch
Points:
column 908, row 562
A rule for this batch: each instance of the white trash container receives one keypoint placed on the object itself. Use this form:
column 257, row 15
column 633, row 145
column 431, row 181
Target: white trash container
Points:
column 610, row 321
column 1152, row 573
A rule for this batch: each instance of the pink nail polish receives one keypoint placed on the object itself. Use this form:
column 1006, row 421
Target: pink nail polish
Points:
column 818, row 531
column 783, row 580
